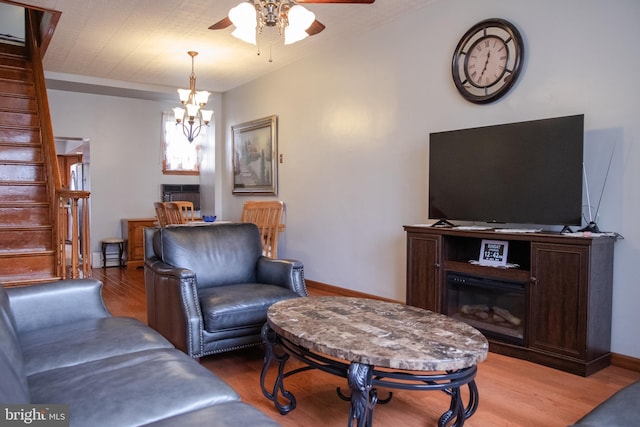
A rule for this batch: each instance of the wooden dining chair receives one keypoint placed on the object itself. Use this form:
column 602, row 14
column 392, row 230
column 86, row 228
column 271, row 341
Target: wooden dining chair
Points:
column 172, row 213
column 186, row 210
column 160, row 214
column 267, row 216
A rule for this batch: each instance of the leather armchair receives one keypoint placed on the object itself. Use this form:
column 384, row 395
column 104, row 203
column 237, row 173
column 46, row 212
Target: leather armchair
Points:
column 209, row 286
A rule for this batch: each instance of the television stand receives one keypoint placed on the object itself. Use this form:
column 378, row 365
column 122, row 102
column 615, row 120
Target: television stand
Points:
column 566, row 290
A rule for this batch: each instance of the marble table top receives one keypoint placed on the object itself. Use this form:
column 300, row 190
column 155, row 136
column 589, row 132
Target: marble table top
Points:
column 378, row 333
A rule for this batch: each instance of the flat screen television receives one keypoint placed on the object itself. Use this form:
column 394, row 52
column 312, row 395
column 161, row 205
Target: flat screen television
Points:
column 517, row 173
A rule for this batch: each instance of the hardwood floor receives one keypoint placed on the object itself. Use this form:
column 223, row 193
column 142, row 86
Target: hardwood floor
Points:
column 513, row 393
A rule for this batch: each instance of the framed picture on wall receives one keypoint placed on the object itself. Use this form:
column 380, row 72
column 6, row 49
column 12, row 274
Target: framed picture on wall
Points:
column 255, row 152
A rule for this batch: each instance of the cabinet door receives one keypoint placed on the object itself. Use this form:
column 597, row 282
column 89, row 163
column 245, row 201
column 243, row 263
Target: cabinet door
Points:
column 135, row 236
column 558, row 299
column 423, row 271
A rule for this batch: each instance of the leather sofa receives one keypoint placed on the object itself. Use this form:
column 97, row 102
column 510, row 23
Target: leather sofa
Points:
column 620, row 410
column 60, row 345
column 209, row 286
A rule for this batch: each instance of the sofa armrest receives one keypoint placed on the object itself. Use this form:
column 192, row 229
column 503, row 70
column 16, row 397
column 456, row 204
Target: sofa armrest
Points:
column 55, row 303
column 282, row 272
column 173, row 308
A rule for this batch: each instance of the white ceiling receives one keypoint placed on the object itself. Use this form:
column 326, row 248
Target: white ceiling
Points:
column 145, row 42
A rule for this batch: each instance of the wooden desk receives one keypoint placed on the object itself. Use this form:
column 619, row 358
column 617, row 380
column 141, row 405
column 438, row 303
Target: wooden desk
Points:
column 132, row 233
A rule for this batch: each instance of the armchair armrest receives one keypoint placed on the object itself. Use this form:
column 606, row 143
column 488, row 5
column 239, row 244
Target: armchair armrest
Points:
column 282, row 272
column 172, row 292
column 56, row 303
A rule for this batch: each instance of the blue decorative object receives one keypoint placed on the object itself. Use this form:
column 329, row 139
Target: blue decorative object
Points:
column 209, row 218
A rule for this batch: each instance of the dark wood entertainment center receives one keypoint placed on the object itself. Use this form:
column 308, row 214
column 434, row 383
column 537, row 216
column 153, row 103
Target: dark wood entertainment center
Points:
column 567, row 284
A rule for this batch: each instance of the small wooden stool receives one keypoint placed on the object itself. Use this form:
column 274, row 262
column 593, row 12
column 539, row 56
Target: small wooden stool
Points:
column 106, row 256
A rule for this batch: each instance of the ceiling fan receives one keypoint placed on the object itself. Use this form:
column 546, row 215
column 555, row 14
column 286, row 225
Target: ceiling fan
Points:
column 296, row 22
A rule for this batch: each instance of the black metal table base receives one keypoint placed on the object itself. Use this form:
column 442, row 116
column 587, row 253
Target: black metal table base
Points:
column 363, row 381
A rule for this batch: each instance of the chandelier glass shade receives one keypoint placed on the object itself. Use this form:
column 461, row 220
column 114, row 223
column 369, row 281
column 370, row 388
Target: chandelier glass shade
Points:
column 289, row 18
column 192, row 117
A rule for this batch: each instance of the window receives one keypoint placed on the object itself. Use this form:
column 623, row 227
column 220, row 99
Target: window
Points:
column 180, row 157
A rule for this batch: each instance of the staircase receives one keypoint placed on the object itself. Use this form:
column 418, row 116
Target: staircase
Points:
column 27, row 233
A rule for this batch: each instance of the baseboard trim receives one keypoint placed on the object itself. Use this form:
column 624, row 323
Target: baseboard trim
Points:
column 626, row 362
column 323, row 288
column 619, row 360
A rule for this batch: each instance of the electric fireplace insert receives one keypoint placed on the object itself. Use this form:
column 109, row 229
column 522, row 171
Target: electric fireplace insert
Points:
column 495, row 307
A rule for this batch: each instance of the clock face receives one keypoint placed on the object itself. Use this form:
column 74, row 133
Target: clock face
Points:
column 487, row 60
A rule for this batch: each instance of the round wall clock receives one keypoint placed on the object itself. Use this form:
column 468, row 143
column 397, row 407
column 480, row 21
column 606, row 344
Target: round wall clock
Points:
column 487, row 60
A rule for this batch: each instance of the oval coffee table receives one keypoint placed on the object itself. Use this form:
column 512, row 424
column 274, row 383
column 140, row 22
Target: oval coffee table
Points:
column 373, row 344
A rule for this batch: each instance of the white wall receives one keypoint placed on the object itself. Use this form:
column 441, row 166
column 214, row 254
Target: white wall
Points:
column 354, row 126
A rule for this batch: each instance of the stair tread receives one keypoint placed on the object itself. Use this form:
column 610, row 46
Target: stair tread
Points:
column 21, row 204
column 31, row 279
column 16, row 95
column 36, row 227
column 36, row 253
column 22, row 281
column 21, row 162
column 11, row 144
column 18, row 127
column 14, row 183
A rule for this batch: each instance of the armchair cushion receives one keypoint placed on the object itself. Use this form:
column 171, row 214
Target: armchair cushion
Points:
column 233, row 306
column 228, row 256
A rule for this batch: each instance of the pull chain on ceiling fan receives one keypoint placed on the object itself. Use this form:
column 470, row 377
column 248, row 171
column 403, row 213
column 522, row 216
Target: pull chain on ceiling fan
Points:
column 291, row 20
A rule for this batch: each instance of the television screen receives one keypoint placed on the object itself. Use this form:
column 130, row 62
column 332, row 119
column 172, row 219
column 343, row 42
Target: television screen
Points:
column 517, row 173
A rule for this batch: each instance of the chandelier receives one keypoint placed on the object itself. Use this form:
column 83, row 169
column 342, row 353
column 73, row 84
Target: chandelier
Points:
column 193, row 101
column 250, row 18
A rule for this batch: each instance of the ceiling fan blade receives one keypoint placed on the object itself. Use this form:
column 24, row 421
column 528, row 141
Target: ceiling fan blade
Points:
column 315, row 28
column 335, row 1
column 224, row 23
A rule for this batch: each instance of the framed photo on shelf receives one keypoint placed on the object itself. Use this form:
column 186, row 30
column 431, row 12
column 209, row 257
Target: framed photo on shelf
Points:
column 494, row 253
column 255, row 152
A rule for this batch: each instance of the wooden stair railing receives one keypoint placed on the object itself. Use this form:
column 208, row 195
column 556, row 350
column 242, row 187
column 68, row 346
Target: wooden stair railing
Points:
column 73, row 223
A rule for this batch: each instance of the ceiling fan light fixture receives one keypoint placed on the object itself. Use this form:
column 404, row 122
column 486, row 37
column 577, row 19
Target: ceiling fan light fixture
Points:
column 244, row 18
column 299, row 19
column 291, row 35
column 247, row 35
column 291, row 20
